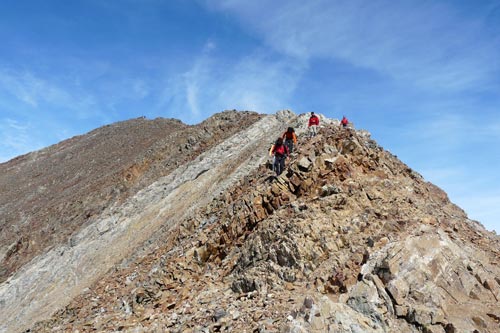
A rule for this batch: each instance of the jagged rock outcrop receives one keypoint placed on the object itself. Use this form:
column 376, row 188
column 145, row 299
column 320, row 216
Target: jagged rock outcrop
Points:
column 347, row 239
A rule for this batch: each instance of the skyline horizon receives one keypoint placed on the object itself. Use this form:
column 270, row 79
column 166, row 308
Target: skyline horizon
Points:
column 298, row 114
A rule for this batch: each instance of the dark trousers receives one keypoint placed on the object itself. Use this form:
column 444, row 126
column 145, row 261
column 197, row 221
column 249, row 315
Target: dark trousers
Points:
column 289, row 144
column 279, row 164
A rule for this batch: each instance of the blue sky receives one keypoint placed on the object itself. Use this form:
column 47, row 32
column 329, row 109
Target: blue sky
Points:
column 422, row 76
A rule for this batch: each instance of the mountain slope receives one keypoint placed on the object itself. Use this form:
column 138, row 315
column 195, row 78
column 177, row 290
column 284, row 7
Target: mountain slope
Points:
column 50, row 194
column 60, row 272
column 348, row 239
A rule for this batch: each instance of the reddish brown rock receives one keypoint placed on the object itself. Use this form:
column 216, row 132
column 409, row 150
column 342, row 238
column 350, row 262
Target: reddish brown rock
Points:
column 350, row 242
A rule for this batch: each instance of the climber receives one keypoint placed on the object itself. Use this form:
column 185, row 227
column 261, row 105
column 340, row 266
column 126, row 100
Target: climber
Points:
column 313, row 125
column 344, row 122
column 280, row 153
column 290, row 138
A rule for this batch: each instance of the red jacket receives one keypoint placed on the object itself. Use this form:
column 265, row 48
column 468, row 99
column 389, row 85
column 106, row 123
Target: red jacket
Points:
column 314, row 120
column 281, row 150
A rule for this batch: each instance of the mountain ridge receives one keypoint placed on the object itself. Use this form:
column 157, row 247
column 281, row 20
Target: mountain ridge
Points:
column 65, row 185
column 330, row 245
column 68, row 259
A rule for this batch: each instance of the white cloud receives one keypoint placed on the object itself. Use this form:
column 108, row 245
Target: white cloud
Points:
column 182, row 91
column 212, row 84
column 256, row 83
column 198, row 76
column 446, row 130
column 192, row 96
column 452, row 130
column 15, row 139
column 13, row 124
column 21, row 87
column 33, row 91
column 424, row 43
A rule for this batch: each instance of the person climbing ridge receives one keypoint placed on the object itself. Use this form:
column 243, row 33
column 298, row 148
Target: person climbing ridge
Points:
column 290, row 138
column 280, row 153
column 313, row 125
column 344, row 122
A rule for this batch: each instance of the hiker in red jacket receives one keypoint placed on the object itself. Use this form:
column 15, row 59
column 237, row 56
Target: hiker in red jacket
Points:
column 280, row 152
column 344, row 122
column 313, row 125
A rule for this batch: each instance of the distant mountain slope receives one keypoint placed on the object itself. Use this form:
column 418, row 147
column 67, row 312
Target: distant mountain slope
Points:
column 207, row 239
column 48, row 195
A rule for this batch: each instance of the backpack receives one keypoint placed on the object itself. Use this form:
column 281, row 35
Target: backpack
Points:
column 281, row 150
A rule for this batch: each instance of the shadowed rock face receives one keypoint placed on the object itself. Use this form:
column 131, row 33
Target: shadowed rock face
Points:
column 347, row 239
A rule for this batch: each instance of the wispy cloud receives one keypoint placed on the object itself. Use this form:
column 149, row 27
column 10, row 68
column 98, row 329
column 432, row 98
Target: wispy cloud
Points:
column 197, row 77
column 87, row 92
column 452, row 129
column 15, row 137
column 214, row 83
column 39, row 110
column 181, row 91
column 257, row 83
column 427, row 44
column 33, row 91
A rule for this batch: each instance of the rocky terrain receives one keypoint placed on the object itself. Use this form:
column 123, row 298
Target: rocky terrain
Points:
column 48, row 195
column 347, row 239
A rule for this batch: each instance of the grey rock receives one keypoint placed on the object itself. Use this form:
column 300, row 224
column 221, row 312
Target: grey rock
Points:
column 304, row 164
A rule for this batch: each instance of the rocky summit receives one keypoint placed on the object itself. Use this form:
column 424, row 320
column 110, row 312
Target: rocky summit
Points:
column 156, row 226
